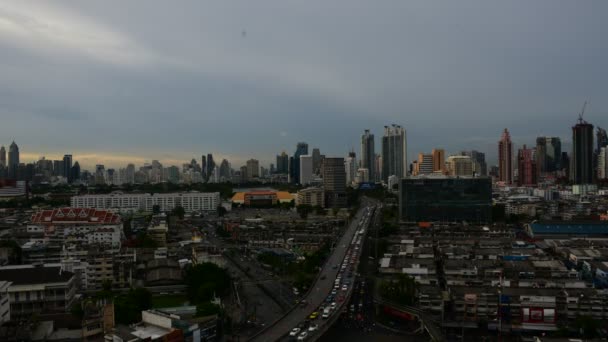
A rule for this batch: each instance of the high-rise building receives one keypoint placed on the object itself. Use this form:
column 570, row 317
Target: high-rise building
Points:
column 350, row 166
column 478, row 159
column 526, row 167
column 301, row 149
column 368, row 154
column 244, row 178
column 581, row 161
column 283, row 163
column 253, row 169
column 460, row 166
column 130, row 174
column 306, row 169
column 602, row 164
column 13, row 160
column 548, row 154
column 394, row 152
column 565, row 164
column 316, row 161
column 424, row 165
column 505, row 158
column 75, row 172
column 58, row 168
column 225, row 171
column 210, row 164
column 334, row 182
column 601, row 137
column 204, row 166
column 67, row 167
column 2, row 157
column 438, row 160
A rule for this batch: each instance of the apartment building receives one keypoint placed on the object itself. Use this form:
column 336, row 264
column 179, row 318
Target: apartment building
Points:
column 190, row 201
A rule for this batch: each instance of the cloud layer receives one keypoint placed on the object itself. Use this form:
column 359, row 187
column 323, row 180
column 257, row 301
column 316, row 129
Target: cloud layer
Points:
column 160, row 80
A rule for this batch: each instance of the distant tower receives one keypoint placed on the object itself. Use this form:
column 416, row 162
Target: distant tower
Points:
column 526, row 167
column 505, row 158
column 394, row 152
column 368, row 154
column 67, row 167
column 13, row 160
column 438, row 160
column 2, row 157
column 301, row 149
column 581, row 160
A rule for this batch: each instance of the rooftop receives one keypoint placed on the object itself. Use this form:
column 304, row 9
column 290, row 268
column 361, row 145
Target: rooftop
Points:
column 35, row 275
column 79, row 215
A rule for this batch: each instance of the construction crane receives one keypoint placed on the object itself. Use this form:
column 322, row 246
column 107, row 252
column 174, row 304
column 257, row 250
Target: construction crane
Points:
column 580, row 116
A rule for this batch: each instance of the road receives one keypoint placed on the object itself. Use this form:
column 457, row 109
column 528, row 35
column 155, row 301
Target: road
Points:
column 320, row 289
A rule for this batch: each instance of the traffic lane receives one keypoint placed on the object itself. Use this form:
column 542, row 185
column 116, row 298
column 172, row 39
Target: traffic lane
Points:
column 315, row 298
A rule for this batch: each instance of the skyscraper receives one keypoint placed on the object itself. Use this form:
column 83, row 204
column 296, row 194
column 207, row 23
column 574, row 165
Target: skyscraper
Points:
column 75, row 172
column 581, row 160
column 204, row 166
column 526, row 167
column 438, row 160
column 394, row 152
column 316, row 160
column 301, row 149
column 548, row 154
column 225, row 172
column 334, row 182
column 478, row 159
column 13, row 160
column 67, row 167
column 602, row 165
column 601, row 137
column 253, row 169
column 350, row 166
column 505, row 158
column 210, row 165
column 368, row 154
column 283, row 163
column 2, row 157
column 306, row 169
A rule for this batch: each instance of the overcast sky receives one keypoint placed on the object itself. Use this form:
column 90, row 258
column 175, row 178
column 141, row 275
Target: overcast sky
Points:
column 119, row 81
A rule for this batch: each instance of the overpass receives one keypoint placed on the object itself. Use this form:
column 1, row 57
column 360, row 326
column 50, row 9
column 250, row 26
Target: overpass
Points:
column 427, row 322
column 322, row 286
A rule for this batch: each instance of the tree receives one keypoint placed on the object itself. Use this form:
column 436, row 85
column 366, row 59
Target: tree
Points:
column 205, row 280
column 319, row 210
column 156, row 209
column 207, row 309
column 304, row 210
column 128, row 307
column 221, row 211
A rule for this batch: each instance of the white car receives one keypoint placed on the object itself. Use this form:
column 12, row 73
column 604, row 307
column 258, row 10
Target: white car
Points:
column 303, row 336
column 294, row 332
column 313, row 327
column 344, row 287
column 333, row 305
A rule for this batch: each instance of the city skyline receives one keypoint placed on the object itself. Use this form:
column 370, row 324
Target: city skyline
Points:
column 283, row 78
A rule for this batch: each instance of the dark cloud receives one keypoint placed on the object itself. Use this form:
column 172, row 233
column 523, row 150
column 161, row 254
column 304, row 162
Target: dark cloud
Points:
column 180, row 80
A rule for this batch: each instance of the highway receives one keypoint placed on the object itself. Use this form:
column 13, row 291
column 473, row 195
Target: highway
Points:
column 320, row 290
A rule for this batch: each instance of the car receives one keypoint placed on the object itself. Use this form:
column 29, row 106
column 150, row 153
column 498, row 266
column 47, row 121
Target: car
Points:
column 313, row 327
column 314, row 315
column 294, row 332
column 326, row 313
column 344, row 287
column 333, row 292
column 334, row 267
column 303, row 336
column 333, row 305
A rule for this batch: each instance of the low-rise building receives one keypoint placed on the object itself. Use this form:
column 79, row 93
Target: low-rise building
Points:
column 37, row 289
column 190, row 201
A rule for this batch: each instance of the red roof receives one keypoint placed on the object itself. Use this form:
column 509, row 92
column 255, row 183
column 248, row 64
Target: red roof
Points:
column 81, row 215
